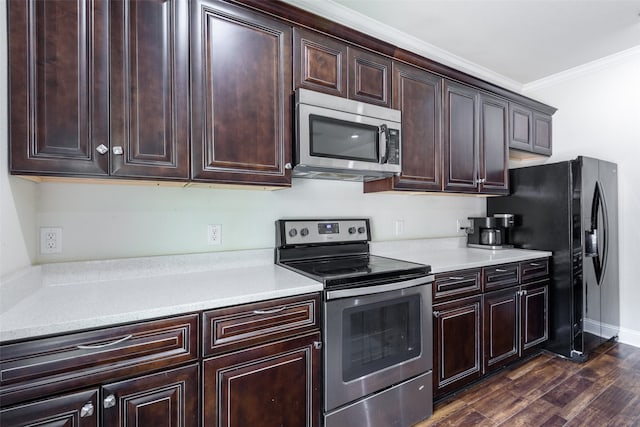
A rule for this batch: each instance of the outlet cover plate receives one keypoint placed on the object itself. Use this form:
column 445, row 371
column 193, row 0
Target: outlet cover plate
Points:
column 50, row 240
column 214, row 234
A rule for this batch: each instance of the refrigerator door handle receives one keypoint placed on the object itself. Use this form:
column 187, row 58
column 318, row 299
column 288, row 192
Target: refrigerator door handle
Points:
column 599, row 258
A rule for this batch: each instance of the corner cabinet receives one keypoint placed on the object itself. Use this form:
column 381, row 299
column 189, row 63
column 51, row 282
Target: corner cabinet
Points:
column 475, row 141
column 241, row 95
column 530, row 130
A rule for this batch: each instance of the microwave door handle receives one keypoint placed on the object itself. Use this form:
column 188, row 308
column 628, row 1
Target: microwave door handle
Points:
column 384, row 146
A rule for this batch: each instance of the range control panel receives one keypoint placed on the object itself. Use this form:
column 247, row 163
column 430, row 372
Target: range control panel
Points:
column 307, row 232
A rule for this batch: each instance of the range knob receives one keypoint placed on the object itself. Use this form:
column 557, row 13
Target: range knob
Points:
column 304, row 232
column 361, row 230
column 293, row 232
column 352, row 230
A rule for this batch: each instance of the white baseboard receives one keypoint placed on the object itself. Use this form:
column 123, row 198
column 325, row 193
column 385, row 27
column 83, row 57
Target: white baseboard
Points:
column 629, row 336
column 625, row 335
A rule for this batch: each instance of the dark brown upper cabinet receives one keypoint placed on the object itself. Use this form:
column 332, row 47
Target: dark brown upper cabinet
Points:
column 241, row 77
column 58, row 87
column 418, row 94
column 530, row 130
column 369, row 77
column 475, row 141
column 494, row 152
column 320, row 63
column 149, row 106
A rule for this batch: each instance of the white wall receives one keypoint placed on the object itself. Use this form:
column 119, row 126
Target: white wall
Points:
column 17, row 197
column 599, row 116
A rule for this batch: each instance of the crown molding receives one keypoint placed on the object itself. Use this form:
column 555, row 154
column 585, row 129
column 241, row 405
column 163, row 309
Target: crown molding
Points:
column 580, row 70
column 342, row 15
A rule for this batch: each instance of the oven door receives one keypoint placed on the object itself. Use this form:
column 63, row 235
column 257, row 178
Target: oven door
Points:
column 376, row 340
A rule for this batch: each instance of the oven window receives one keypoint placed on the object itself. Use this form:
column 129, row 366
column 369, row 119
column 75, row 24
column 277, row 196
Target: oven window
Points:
column 342, row 139
column 380, row 335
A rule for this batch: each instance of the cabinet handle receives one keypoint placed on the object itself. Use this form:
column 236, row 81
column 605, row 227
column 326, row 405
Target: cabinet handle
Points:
column 109, row 344
column 86, row 410
column 524, row 293
column 117, row 149
column 275, row 310
column 317, row 345
column 456, row 278
column 288, row 166
column 436, row 314
column 102, row 149
column 109, row 401
column 534, row 264
column 500, row 270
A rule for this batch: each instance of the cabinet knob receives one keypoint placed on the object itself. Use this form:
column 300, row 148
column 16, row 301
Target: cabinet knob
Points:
column 102, row 149
column 109, row 401
column 288, row 166
column 317, row 345
column 86, row 410
column 117, row 150
column 436, row 314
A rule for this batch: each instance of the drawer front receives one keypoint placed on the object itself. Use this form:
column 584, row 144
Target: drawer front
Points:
column 44, row 366
column 456, row 284
column 532, row 270
column 247, row 325
column 500, row 276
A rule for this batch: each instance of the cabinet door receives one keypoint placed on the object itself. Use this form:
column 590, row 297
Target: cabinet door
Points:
column 168, row 398
column 494, row 150
column 241, row 95
column 58, row 87
column 272, row 385
column 319, row 63
column 418, row 94
column 150, row 89
column 535, row 315
column 457, row 343
column 369, row 77
column 77, row 409
column 460, row 138
column 541, row 133
column 501, row 344
column 520, row 127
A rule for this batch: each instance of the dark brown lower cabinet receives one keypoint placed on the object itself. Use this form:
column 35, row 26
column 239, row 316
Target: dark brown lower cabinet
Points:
column 458, row 343
column 272, row 385
column 501, row 330
column 77, row 410
column 534, row 315
column 168, row 398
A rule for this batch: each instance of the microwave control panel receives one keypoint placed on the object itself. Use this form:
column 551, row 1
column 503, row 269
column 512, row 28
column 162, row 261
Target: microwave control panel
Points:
column 393, row 155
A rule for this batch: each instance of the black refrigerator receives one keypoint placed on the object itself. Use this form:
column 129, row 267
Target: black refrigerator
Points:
column 571, row 209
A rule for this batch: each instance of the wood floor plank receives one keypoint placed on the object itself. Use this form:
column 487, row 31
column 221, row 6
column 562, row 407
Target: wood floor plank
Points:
column 548, row 391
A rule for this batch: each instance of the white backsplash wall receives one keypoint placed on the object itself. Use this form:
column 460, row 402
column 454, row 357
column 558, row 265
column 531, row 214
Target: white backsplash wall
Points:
column 116, row 221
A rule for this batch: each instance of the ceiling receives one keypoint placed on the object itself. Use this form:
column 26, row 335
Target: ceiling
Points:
column 510, row 41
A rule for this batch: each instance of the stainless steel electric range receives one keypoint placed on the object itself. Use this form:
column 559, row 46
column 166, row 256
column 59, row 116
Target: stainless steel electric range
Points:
column 377, row 327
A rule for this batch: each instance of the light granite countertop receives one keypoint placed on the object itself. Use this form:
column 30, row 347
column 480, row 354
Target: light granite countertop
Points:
column 65, row 297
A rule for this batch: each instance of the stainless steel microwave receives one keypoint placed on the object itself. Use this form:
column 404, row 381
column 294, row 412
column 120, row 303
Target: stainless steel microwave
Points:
column 339, row 138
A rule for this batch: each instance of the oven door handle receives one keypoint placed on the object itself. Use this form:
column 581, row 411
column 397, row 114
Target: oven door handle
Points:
column 369, row 290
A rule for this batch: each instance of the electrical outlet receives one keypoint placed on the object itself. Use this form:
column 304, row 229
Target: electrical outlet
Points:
column 399, row 226
column 214, row 234
column 462, row 225
column 50, row 240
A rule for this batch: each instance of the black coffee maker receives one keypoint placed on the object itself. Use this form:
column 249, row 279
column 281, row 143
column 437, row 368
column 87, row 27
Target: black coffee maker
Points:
column 490, row 232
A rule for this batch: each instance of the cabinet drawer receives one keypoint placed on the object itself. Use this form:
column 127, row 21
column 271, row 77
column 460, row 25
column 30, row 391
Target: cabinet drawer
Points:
column 531, row 270
column 500, row 276
column 456, row 284
column 41, row 367
column 251, row 324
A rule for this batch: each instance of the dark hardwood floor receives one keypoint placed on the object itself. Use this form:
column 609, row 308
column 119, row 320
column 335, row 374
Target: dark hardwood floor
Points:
column 550, row 391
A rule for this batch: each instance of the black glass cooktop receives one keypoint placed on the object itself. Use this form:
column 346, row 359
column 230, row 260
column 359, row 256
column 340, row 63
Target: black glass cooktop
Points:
column 357, row 270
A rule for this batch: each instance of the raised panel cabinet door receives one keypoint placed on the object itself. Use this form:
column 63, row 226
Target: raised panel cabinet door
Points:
column 418, row 94
column 457, row 343
column 520, row 127
column 319, row 63
column 58, row 87
column 541, row 133
column 369, row 77
column 168, row 398
column 149, row 65
column 71, row 410
column 535, row 315
column 460, row 135
column 271, row 385
column 501, row 333
column 241, row 95
column 494, row 146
